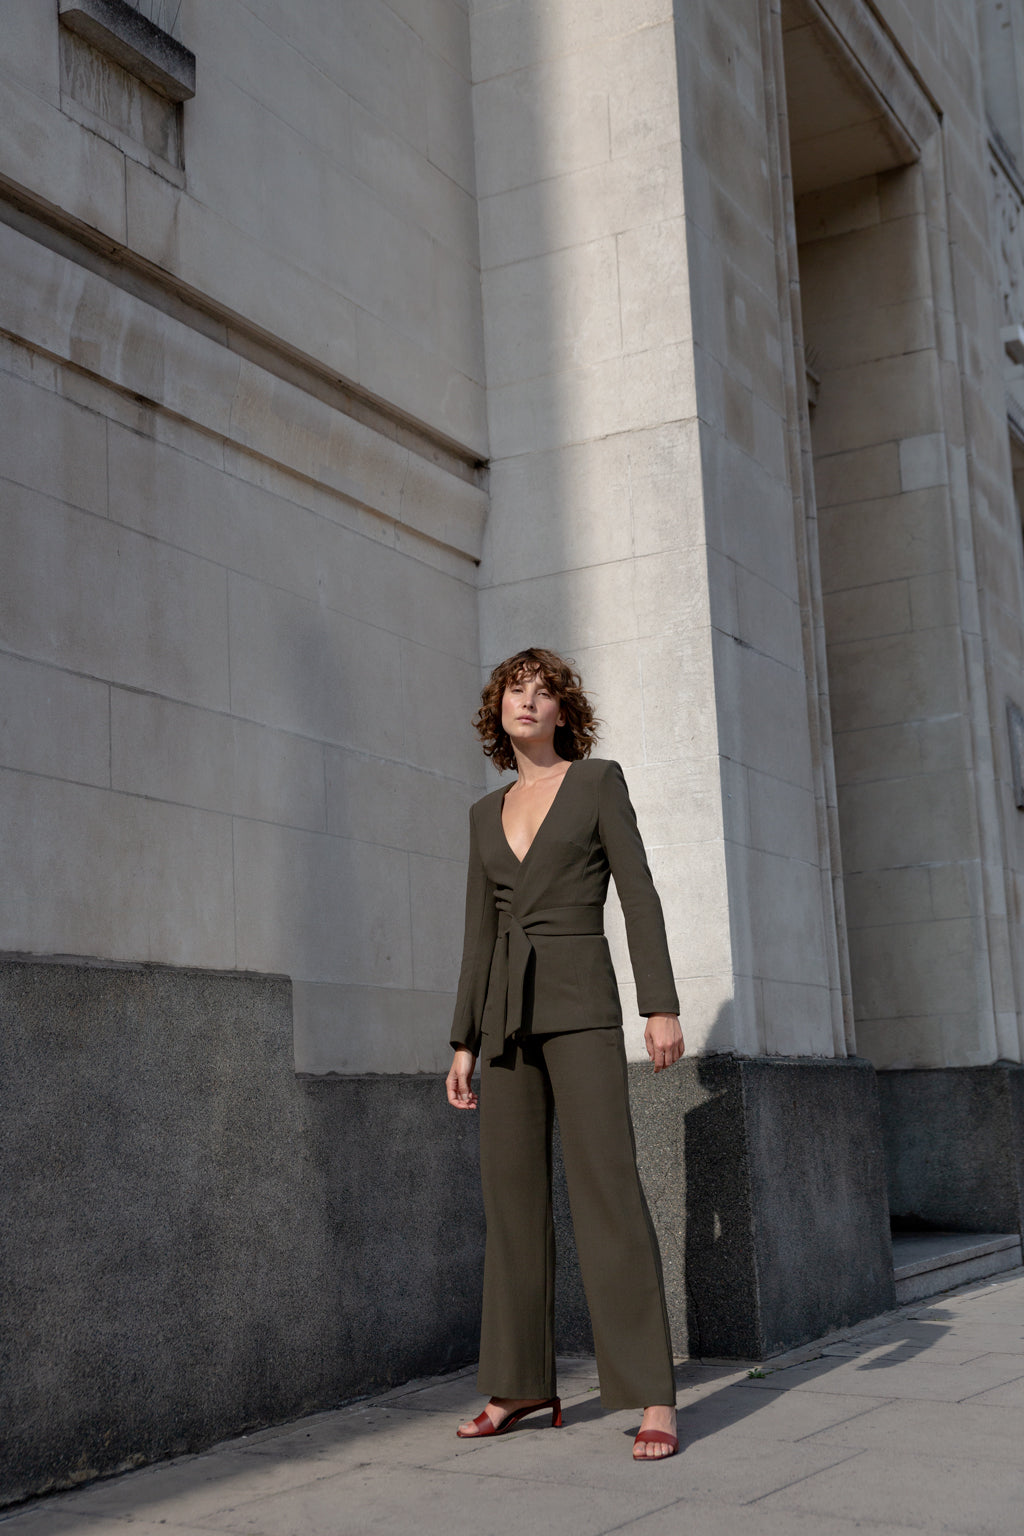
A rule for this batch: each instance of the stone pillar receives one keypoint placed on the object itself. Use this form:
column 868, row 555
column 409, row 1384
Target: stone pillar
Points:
column 646, row 520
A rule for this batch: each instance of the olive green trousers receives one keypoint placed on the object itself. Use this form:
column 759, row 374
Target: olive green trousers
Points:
column 583, row 1077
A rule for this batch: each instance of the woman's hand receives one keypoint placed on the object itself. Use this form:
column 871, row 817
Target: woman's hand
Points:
column 460, row 1093
column 664, row 1040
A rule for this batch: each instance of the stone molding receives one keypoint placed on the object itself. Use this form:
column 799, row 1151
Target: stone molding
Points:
column 136, row 43
column 1008, row 219
column 62, row 310
column 881, row 69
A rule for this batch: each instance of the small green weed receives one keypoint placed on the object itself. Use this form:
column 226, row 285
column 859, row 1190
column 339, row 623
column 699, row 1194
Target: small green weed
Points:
column 755, row 1375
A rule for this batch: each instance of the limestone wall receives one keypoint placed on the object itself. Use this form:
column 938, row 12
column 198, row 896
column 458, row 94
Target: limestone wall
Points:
column 621, row 527
column 238, row 606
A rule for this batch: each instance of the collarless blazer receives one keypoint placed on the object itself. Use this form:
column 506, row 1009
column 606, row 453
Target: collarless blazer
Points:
column 535, row 959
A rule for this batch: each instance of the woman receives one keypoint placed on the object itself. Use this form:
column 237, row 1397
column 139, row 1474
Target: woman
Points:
column 538, row 1000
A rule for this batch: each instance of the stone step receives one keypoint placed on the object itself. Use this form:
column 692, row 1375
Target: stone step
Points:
column 925, row 1263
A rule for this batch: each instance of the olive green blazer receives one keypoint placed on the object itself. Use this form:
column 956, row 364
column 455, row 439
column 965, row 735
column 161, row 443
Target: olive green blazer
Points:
column 535, row 958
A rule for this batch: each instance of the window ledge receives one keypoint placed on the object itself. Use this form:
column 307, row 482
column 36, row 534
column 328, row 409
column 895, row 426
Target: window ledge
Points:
column 134, row 42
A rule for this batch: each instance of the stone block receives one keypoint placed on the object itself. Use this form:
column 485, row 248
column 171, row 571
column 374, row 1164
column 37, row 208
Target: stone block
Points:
column 876, row 402
column 449, row 114
column 796, row 1020
column 51, row 156
column 321, row 908
column 919, row 820
column 437, row 890
column 29, row 35
column 629, row 192
column 567, row 611
column 863, row 474
column 769, row 620
column 88, row 872
column 214, row 1262
column 552, row 312
column 868, row 612
column 80, row 592
column 692, row 882
column 954, row 1147
column 410, row 375
column 782, row 817
column 881, row 897
column 935, row 601
column 885, row 539
column 169, row 751
column 672, row 589
column 209, row 253
column 915, row 970
column 895, row 751
column 53, row 722
column 406, row 183
column 837, row 210
column 679, row 697
column 733, row 484
column 665, row 487
column 381, row 801
column 348, row 1030
column 865, row 336
column 521, row 140
column 923, row 461
column 559, row 510
column 614, row 683
column 766, row 724
column 896, row 677
column 302, row 668
column 676, row 803
column 878, row 265
column 654, row 292
column 786, row 937
column 440, row 696
column 52, row 446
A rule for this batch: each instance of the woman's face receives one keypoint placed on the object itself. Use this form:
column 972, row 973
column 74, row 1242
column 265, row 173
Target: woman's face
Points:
column 530, row 711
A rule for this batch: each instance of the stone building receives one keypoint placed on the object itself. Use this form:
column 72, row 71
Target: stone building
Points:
column 343, row 350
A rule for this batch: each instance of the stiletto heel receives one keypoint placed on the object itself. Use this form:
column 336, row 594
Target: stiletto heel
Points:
column 485, row 1424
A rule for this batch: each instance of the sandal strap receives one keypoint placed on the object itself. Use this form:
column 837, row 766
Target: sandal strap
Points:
column 657, row 1437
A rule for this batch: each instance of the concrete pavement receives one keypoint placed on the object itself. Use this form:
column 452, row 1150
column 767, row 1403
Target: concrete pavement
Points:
column 912, row 1422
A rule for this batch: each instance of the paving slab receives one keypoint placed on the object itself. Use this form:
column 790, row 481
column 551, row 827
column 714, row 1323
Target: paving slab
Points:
column 928, row 1493
column 908, row 1423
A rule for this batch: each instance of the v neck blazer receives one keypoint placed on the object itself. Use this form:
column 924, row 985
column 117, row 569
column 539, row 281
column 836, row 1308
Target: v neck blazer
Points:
column 535, row 959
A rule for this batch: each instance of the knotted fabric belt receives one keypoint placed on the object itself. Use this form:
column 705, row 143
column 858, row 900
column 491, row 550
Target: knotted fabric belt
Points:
column 512, row 951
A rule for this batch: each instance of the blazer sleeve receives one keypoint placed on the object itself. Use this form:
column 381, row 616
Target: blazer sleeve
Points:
column 477, row 950
column 641, row 906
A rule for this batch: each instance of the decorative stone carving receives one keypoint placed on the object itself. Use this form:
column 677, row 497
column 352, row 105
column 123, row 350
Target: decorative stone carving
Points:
column 1008, row 207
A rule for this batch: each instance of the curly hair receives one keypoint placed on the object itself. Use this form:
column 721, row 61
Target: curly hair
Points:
column 573, row 740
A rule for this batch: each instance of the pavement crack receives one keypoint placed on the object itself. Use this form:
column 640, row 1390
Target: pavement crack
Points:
column 839, row 1461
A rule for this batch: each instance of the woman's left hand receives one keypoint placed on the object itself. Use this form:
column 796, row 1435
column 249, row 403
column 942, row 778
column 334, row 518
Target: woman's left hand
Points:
column 664, row 1040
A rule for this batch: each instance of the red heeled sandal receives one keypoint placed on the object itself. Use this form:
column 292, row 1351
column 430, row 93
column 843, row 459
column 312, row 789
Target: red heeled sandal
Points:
column 656, row 1437
column 485, row 1424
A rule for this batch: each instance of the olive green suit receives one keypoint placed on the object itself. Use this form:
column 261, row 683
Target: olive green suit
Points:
column 538, row 1001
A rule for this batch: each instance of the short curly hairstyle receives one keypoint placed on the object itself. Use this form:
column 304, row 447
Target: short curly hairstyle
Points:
column 573, row 740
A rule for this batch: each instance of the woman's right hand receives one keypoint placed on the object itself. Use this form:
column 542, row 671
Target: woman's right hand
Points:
column 458, row 1081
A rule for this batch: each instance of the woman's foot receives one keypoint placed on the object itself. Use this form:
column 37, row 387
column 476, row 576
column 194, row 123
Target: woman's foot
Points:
column 660, row 1420
column 498, row 1410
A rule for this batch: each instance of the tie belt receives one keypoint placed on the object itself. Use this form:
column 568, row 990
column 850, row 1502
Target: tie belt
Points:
column 512, row 950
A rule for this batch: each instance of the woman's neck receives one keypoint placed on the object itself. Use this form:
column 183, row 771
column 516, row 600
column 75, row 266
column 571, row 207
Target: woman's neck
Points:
column 540, row 763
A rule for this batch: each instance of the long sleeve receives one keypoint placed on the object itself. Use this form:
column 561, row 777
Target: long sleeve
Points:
column 641, row 906
column 477, row 950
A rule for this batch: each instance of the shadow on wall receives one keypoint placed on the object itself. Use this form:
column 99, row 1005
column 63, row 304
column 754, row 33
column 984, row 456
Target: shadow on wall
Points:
column 766, row 1183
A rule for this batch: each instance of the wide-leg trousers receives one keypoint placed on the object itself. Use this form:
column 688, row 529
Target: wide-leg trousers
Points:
column 582, row 1076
